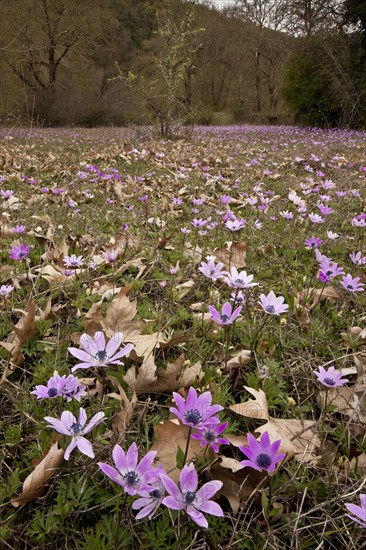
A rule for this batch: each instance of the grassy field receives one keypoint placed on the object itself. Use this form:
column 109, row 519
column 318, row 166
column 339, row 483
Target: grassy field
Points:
column 110, row 231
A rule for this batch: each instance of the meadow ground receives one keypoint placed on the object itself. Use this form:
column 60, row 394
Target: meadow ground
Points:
column 233, row 262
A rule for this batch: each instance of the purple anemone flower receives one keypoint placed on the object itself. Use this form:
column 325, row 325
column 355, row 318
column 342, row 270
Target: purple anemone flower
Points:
column 73, row 260
column 236, row 279
column 313, row 242
column 227, row 316
column 96, row 353
column 5, row 289
column 330, row 378
column 211, row 270
column 210, row 433
column 68, row 425
column 352, row 284
column 357, row 258
column 195, row 411
column 188, row 498
column 130, row 474
column 151, row 496
column 111, row 255
column 262, row 454
column 359, row 512
column 330, row 269
column 19, row 252
column 273, row 305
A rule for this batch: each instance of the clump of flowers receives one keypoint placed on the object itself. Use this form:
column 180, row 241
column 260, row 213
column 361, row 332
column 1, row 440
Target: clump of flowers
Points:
column 64, row 386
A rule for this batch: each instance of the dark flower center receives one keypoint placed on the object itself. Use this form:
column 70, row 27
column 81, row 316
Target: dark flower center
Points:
column 189, row 497
column 52, row 392
column 224, row 319
column 350, row 287
column 270, row 309
column 239, row 281
column 131, row 478
column 22, row 255
column 209, row 436
column 101, row 355
column 193, row 416
column 329, row 381
column 212, row 272
column 76, row 428
column 264, row 460
column 328, row 273
column 156, row 493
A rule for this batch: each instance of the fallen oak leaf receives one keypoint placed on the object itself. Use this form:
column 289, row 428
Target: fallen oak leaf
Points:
column 170, row 436
column 151, row 379
column 35, row 484
column 298, row 438
column 122, row 418
column 238, row 483
column 232, row 254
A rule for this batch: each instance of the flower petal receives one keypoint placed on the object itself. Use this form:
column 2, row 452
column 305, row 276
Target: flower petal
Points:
column 114, row 343
column 97, row 418
column 188, row 478
column 84, row 446
column 197, row 516
column 111, row 472
column 119, row 458
column 173, row 504
column 171, row 488
column 70, row 448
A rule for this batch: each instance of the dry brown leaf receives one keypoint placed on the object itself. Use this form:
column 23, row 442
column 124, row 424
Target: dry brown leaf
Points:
column 232, row 254
column 240, row 359
column 120, row 311
column 36, row 483
column 25, row 327
column 358, row 463
column 151, row 379
column 192, row 252
column 257, row 408
column 183, row 289
column 238, row 483
column 345, row 401
column 122, row 419
column 312, row 296
column 53, row 276
column 22, row 332
column 298, row 438
column 169, row 435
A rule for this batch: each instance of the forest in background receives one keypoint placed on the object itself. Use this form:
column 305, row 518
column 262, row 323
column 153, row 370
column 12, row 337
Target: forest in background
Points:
column 116, row 62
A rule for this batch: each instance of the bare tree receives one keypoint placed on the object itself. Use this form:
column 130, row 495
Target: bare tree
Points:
column 38, row 38
column 266, row 15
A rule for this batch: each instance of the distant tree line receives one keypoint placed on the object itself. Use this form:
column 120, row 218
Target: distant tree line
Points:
column 114, row 62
